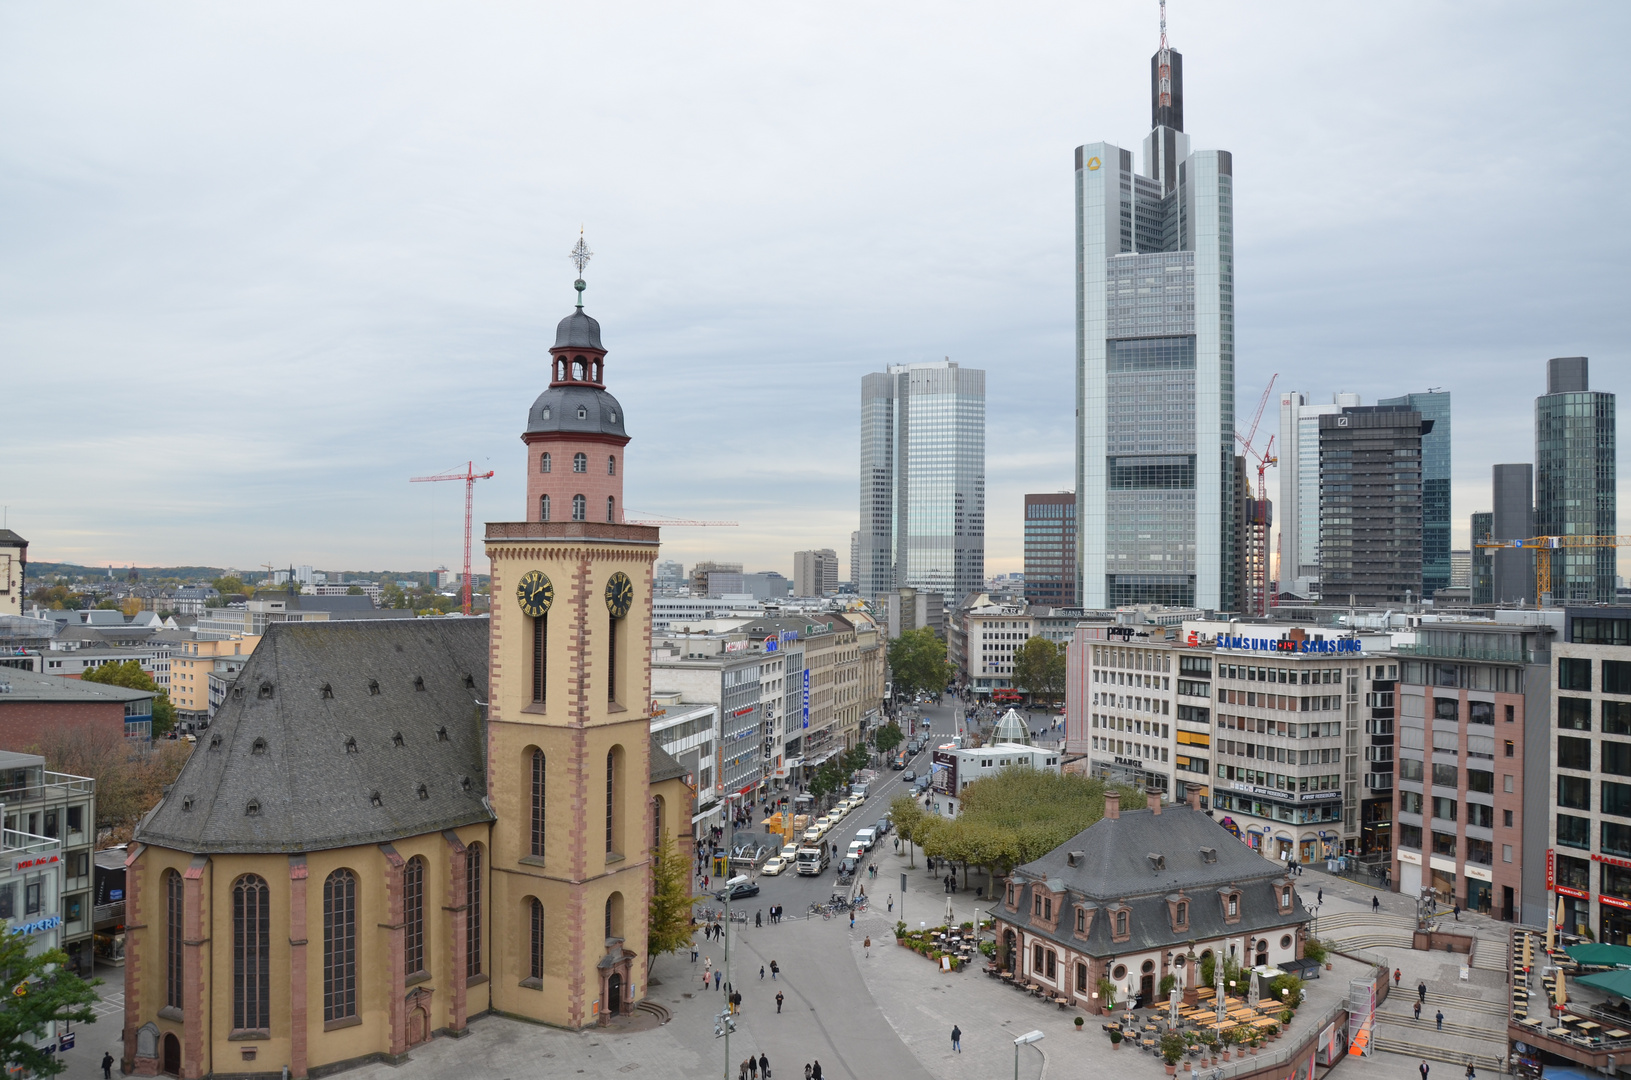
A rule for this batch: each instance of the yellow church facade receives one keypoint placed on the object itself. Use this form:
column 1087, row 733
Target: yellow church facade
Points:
column 395, row 826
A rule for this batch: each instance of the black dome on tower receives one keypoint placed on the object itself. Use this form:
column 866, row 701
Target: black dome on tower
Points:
column 578, row 331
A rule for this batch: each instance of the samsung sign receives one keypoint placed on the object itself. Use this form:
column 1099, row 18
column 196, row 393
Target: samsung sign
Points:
column 1279, row 645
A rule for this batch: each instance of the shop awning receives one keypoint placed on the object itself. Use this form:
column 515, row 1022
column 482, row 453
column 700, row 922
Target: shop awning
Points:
column 1600, row 955
column 1616, row 982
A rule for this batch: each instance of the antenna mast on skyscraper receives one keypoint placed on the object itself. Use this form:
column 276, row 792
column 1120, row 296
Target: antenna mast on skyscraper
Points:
column 1164, row 72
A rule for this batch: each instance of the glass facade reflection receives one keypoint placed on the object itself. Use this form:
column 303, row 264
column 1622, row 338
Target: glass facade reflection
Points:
column 922, row 479
column 1156, row 498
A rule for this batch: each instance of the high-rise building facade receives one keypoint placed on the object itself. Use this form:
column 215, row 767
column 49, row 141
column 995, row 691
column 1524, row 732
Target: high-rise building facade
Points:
column 1512, row 570
column 815, row 573
column 1481, row 572
column 1574, row 479
column 1433, row 405
column 1050, row 549
column 922, row 479
column 1155, row 364
column 1299, row 468
column 1370, row 505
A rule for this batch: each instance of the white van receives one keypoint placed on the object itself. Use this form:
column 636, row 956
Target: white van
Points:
column 866, row 837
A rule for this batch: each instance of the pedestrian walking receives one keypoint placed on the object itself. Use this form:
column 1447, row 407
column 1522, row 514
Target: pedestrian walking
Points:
column 717, row 979
column 1421, row 991
column 1417, row 1009
column 693, row 952
column 778, row 1001
column 867, row 945
column 852, row 919
column 773, row 970
column 807, row 1073
column 891, row 903
column 753, row 1067
column 107, row 1066
column 1397, row 975
column 761, row 973
column 1423, row 1070
column 815, row 1073
column 1472, row 1073
column 1441, row 1019
column 957, row 1038
column 742, row 1071
column 1458, row 911
column 1319, row 897
column 764, row 1065
column 1375, row 906
column 758, row 919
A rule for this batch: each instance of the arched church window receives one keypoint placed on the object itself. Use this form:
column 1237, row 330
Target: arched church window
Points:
column 175, row 935
column 580, row 508
column 538, row 777
column 472, row 908
column 340, row 946
column 543, row 463
column 580, row 463
column 611, row 508
column 251, row 954
column 611, row 465
column 543, row 508
column 413, row 916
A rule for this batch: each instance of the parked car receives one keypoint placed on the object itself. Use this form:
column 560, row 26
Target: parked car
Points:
column 773, row 866
column 739, row 892
column 911, row 775
column 846, row 871
column 885, row 826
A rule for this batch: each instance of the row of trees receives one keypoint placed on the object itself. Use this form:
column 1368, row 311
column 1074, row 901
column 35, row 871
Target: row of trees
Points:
column 1009, row 819
column 917, row 664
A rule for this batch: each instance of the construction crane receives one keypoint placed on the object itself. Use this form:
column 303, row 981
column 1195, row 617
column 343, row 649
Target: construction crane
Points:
column 469, row 476
column 1259, row 512
column 660, row 520
column 1543, row 562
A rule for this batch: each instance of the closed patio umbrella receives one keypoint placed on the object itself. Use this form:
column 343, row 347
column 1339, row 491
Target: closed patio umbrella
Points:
column 1217, row 968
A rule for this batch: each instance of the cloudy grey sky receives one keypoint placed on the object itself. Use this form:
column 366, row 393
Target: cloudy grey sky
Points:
column 261, row 263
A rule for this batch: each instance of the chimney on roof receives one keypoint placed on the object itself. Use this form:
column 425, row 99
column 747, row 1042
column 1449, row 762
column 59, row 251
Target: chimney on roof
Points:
column 1112, row 805
column 1194, row 796
column 1155, row 803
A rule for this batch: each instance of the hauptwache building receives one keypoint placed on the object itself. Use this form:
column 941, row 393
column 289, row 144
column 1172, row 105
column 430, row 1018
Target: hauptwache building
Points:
column 393, row 827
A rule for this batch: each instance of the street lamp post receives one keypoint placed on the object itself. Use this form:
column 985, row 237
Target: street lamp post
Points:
column 1028, row 1037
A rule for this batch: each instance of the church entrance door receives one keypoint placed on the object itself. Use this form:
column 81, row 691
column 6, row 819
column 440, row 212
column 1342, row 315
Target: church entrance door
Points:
column 614, row 994
column 418, row 1026
column 172, row 1055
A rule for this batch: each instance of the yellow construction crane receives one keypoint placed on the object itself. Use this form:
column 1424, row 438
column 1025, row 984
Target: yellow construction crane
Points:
column 1542, row 544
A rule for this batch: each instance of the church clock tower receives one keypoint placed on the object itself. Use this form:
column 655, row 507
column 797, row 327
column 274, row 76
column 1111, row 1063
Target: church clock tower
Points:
column 569, row 745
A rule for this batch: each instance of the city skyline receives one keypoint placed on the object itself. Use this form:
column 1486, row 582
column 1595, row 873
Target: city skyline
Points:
column 248, row 297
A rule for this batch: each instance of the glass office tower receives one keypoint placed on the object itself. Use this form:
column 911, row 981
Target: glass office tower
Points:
column 1155, row 365
column 1433, row 405
column 922, row 480
column 1299, row 454
column 1574, row 479
column 1050, row 549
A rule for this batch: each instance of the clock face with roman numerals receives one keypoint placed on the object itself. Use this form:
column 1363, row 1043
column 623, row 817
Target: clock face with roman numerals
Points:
column 535, row 593
column 619, row 595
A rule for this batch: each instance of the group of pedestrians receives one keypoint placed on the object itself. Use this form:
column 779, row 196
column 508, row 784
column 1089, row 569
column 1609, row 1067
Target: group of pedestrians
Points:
column 755, row 1067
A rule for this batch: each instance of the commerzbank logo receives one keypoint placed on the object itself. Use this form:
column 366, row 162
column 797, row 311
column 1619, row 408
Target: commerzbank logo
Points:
column 1093, row 164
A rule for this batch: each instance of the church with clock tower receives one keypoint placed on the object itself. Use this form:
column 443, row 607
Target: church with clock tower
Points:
column 394, row 827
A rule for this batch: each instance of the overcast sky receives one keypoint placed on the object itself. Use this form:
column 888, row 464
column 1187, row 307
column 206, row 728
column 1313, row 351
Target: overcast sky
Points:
column 261, row 263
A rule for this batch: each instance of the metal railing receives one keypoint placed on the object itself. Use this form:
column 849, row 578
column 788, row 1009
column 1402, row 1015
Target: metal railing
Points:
column 47, row 784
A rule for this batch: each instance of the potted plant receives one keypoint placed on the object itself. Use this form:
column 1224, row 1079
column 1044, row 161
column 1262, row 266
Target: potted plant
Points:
column 1172, row 1048
column 1285, row 1018
column 1272, row 1032
column 1255, row 1042
column 1228, row 1040
column 1209, row 1039
column 1115, row 1040
column 1107, row 993
column 1168, row 983
column 1079, row 1023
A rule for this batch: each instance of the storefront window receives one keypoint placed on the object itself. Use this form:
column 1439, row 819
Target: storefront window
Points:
column 1573, row 873
column 1410, row 836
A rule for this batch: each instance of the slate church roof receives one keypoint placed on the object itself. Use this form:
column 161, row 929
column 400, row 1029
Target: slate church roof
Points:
column 1140, row 860
column 337, row 734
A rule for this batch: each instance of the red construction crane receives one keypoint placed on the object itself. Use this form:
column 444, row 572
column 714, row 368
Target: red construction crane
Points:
column 469, row 476
column 660, row 520
column 1260, row 513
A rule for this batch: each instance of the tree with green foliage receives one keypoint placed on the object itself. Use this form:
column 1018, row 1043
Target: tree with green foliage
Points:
column 908, row 815
column 1018, row 815
column 355, row 590
column 1039, row 667
column 888, row 737
column 38, row 989
column 668, row 927
column 856, row 758
column 917, row 663
column 129, row 674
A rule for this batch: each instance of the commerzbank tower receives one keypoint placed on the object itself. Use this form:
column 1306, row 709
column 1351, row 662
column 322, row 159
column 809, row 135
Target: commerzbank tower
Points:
column 1156, row 479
